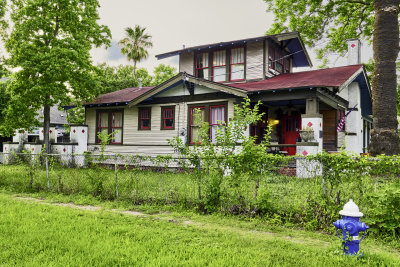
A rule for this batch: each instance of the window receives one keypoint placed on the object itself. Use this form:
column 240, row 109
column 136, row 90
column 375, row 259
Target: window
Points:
column 195, row 112
column 214, row 114
column 219, row 66
column 168, row 118
column 237, row 64
column 279, row 62
column 202, row 65
column 144, row 119
column 217, row 118
column 110, row 121
column 116, row 127
column 271, row 58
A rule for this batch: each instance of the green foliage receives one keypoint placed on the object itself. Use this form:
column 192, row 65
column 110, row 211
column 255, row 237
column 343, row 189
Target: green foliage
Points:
column 117, row 78
column 105, row 139
column 85, row 237
column 121, row 77
column 384, row 211
column 4, row 94
column 274, row 198
column 76, row 115
column 317, row 20
column 49, row 44
column 234, row 154
column 135, row 43
column 163, row 73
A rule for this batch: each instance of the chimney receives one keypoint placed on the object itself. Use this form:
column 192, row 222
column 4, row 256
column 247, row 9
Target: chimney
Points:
column 183, row 47
column 354, row 52
column 140, row 83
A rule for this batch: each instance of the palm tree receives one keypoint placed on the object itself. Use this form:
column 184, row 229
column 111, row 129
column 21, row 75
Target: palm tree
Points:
column 384, row 136
column 135, row 43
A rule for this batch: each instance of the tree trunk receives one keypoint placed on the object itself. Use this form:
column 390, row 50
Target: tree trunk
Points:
column 46, row 127
column 384, row 136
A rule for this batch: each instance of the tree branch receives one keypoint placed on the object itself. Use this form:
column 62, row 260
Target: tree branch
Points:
column 358, row 2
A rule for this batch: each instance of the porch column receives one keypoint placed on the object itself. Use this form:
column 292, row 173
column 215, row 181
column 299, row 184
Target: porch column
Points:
column 313, row 119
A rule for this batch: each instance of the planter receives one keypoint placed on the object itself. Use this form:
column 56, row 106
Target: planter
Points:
column 306, row 136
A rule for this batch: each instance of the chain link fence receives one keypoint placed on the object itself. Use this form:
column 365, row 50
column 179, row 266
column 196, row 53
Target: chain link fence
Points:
column 298, row 190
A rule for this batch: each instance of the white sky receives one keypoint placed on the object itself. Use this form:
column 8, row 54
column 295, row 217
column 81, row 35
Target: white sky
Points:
column 174, row 23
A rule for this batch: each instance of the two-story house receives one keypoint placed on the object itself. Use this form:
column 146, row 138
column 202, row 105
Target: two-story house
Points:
column 214, row 77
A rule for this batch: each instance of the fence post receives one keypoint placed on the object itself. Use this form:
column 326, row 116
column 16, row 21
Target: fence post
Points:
column 199, row 176
column 116, row 175
column 47, row 171
column 323, row 178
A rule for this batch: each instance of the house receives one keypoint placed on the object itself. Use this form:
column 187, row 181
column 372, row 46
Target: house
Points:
column 214, row 77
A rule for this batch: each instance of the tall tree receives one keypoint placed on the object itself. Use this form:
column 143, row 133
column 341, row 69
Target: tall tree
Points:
column 384, row 136
column 135, row 44
column 5, row 79
column 333, row 22
column 48, row 42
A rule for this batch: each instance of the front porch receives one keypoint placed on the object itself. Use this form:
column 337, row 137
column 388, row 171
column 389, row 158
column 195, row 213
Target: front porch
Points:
column 289, row 111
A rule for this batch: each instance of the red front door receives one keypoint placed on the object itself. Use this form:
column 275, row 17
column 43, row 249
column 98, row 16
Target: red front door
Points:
column 291, row 126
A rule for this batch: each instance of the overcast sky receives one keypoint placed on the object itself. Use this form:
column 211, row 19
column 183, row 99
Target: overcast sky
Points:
column 174, row 23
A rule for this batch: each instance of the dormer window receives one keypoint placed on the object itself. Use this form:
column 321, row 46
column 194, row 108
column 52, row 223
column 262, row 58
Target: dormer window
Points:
column 271, row 58
column 237, row 64
column 202, row 65
column 219, row 66
column 287, row 65
column 278, row 60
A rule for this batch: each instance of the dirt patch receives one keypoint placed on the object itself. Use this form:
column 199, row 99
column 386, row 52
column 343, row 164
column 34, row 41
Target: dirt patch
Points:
column 72, row 205
column 130, row 212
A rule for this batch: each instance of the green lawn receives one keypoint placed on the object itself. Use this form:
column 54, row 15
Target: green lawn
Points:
column 36, row 234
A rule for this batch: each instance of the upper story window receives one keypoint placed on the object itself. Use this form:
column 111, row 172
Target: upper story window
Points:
column 287, row 65
column 110, row 122
column 237, row 64
column 271, row 58
column 144, row 118
column 202, row 66
column 278, row 61
column 219, row 66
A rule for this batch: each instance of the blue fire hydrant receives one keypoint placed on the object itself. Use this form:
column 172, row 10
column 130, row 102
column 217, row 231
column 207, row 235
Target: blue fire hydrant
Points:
column 351, row 226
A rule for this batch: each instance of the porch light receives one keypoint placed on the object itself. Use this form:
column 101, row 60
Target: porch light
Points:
column 273, row 122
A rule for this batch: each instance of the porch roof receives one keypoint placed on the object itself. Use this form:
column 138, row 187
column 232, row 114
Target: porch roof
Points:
column 331, row 77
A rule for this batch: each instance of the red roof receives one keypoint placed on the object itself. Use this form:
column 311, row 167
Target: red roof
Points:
column 124, row 95
column 332, row 77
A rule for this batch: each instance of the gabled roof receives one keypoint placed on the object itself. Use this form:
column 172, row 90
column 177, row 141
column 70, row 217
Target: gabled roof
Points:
column 121, row 97
column 331, row 77
column 184, row 77
column 292, row 40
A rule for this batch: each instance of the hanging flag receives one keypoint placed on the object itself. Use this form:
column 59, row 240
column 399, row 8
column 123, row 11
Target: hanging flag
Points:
column 343, row 120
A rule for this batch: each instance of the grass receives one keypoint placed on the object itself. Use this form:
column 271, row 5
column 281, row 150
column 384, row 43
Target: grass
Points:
column 280, row 199
column 33, row 234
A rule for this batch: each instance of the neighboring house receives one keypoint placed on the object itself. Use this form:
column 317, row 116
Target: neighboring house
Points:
column 215, row 77
column 58, row 119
